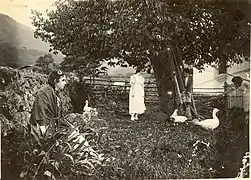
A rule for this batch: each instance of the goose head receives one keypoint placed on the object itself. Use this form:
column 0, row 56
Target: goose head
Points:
column 86, row 103
column 86, row 108
column 215, row 110
column 175, row 113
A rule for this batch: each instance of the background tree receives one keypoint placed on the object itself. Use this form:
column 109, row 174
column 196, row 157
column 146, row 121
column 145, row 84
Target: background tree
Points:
column 46, row 62
column 83, row 66
column 139, row 32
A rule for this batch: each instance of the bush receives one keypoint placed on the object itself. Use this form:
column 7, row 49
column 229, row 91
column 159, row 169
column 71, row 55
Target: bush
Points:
column 66, row 151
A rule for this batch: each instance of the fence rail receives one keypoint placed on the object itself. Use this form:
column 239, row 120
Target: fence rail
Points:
column 151, row 90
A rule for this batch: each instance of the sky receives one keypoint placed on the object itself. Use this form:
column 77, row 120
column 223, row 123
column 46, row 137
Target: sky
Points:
column 20, row 10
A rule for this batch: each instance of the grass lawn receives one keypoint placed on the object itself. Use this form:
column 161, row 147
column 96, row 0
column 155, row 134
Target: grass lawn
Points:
column 151, row 148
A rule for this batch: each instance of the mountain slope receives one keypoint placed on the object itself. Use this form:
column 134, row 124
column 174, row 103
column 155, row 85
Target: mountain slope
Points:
column 18, row 46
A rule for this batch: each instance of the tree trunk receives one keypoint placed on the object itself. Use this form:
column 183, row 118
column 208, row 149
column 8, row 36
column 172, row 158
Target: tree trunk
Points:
column 163, row 74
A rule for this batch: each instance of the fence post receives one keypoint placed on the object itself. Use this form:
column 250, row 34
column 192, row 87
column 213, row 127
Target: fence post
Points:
column 125, row 84
column 225, row 99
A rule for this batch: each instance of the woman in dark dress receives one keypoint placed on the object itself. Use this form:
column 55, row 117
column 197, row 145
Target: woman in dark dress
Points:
column 47, row 105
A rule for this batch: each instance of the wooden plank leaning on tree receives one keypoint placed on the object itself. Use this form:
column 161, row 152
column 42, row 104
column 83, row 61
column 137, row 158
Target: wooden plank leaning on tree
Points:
column 179, row 80
column 177, row 96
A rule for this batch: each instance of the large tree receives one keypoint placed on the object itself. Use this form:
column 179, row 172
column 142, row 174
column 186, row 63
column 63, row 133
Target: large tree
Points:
column 134, row 30
column 140, row 32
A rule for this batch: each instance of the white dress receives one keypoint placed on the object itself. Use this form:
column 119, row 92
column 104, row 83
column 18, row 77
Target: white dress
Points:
column 244, row 90
column 137, row 94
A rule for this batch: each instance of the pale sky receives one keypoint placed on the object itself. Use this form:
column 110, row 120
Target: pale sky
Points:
column 20, row 10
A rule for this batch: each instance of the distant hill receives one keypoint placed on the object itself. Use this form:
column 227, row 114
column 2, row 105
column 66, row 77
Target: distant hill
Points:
column 18, row 46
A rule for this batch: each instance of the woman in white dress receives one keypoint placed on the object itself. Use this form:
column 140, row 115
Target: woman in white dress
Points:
column 136, row 96
column 243, row 88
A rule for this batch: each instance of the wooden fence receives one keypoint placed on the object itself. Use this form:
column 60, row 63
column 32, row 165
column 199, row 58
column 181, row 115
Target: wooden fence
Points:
column 234, row 98
column 151, row 92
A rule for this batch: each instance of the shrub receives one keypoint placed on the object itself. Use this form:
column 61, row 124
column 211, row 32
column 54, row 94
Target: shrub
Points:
column 20, row 92
column 68, row 151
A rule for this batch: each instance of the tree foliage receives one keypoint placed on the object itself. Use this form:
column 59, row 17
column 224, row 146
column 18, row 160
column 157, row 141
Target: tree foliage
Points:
column 134, row 31
column 46, row 62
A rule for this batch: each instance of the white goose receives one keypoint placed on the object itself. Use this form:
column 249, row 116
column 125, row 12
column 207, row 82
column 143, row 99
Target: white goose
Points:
column 177, row 118
column 210, row 123
column 86, row 107
column 248, row 76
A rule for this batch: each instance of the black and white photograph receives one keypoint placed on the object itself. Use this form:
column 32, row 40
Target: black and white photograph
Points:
column 125, row 89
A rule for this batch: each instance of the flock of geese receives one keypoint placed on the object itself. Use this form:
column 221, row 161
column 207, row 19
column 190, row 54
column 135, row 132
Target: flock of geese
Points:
column 209, row 124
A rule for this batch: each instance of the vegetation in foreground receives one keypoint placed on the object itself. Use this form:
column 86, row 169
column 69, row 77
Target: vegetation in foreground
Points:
column 112, row 146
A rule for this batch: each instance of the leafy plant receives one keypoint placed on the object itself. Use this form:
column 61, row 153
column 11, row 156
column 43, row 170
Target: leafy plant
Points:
column 66, row 150
column 244, row 170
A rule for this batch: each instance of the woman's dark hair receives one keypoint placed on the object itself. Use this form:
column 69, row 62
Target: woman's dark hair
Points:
column 237, row 80
column 138, row 69
column 54, row 75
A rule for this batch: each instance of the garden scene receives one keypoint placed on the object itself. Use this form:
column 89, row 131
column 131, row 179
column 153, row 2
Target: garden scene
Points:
column 95, row 137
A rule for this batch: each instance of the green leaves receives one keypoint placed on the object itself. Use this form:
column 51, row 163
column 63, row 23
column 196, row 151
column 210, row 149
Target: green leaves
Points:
column 102, row 29
column 49, row 174
column 46, row 62
column 68, row 153
column 57, row 153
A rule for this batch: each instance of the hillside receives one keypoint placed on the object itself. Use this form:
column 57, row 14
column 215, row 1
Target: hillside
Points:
column 18, row 46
